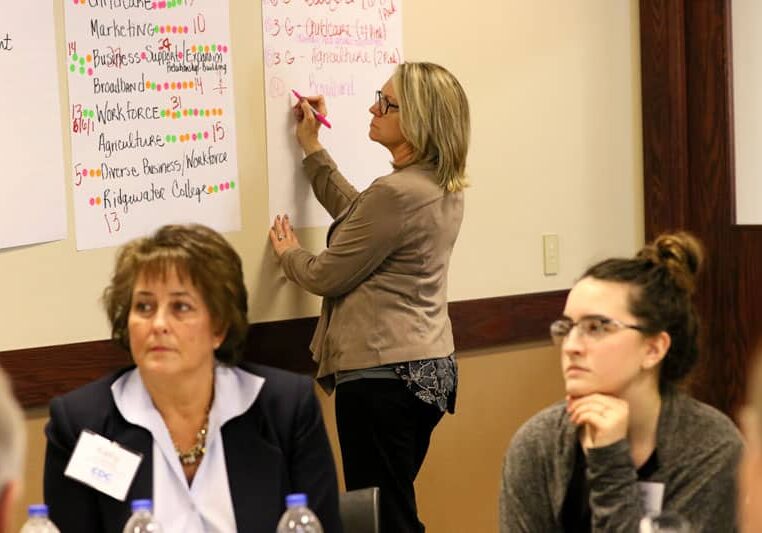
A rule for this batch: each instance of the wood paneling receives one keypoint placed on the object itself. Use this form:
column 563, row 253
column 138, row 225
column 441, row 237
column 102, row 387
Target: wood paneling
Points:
column 689, row 179
column 39, row 374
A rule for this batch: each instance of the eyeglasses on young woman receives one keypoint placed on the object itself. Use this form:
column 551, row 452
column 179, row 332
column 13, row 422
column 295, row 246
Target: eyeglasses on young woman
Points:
column 591, row 327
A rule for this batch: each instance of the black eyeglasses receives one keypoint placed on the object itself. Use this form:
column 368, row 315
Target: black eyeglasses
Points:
column 592, row 327
column 384, row 104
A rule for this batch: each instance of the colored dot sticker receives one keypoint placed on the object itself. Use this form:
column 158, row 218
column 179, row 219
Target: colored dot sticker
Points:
column 232, row 185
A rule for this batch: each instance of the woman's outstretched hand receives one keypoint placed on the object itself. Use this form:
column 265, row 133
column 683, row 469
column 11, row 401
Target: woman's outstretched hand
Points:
column 282, row 235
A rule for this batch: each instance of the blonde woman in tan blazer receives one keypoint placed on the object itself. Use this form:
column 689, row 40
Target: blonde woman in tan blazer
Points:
column 384, row 339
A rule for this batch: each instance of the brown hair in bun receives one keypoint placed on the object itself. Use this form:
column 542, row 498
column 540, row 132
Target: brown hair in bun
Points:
column 663, row 279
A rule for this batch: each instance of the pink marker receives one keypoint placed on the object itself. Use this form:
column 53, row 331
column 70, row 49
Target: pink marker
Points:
column 318, row 115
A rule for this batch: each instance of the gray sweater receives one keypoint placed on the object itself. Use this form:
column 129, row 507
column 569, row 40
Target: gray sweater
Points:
column 698, row 449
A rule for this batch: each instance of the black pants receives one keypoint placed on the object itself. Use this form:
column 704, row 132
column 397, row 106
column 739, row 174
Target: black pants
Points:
column 384, row 432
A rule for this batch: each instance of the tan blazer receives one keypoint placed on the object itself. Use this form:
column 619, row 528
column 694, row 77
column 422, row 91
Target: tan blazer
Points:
column 384, row 274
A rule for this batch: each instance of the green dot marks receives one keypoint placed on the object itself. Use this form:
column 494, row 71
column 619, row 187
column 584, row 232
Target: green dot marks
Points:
column 216, row 188
column 79, row 63
column 75, row 62
column 232, row 185
column 214, row 48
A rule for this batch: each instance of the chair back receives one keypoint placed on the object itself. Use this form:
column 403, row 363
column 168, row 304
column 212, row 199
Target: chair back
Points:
column 359, row 510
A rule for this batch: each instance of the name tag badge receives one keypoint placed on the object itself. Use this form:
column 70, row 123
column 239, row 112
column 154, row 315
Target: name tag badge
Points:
column 103, row 464
column 652, row 495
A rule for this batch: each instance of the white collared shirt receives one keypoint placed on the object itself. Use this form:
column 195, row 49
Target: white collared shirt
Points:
column 206, row 506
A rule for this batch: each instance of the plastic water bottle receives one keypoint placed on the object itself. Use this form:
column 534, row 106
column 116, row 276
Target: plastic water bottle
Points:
column 142, row 520
column 298, row 517
column 38, row 521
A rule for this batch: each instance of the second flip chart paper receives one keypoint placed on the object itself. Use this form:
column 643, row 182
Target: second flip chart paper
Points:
column 344, row 50
column 151, row 117
column 32, row 195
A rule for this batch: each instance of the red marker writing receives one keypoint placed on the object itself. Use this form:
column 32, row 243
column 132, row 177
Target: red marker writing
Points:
column 317, row 114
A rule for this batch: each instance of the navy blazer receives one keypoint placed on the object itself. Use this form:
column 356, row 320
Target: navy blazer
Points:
column 277, row 447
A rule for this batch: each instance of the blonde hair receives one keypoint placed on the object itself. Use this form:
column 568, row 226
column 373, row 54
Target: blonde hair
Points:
column 12, row 434
column 435, row 120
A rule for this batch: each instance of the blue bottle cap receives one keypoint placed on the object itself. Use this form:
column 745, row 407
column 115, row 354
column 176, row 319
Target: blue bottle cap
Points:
column 38, row 510
column 296, row 500
column 142, row 505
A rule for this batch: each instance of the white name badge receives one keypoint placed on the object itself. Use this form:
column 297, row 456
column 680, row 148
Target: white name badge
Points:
column 652, row 496
column 103, row 464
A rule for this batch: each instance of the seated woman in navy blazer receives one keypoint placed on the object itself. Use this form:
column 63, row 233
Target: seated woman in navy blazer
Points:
column 222, row 443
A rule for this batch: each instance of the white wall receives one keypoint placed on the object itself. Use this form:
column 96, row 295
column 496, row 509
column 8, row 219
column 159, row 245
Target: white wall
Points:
column 554, row 89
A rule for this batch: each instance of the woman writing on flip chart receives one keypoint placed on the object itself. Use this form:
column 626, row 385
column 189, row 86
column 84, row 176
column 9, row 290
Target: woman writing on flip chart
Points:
column 384, row 339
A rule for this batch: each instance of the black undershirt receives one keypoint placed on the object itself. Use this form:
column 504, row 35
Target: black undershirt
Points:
column 575, row 513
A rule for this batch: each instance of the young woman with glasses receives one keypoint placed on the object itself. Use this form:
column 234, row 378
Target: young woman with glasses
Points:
column 384, row 339
column 625, row 442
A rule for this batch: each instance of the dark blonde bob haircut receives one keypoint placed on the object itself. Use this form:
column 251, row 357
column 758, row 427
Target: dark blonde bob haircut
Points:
column 194, row 252
column 435, row 120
